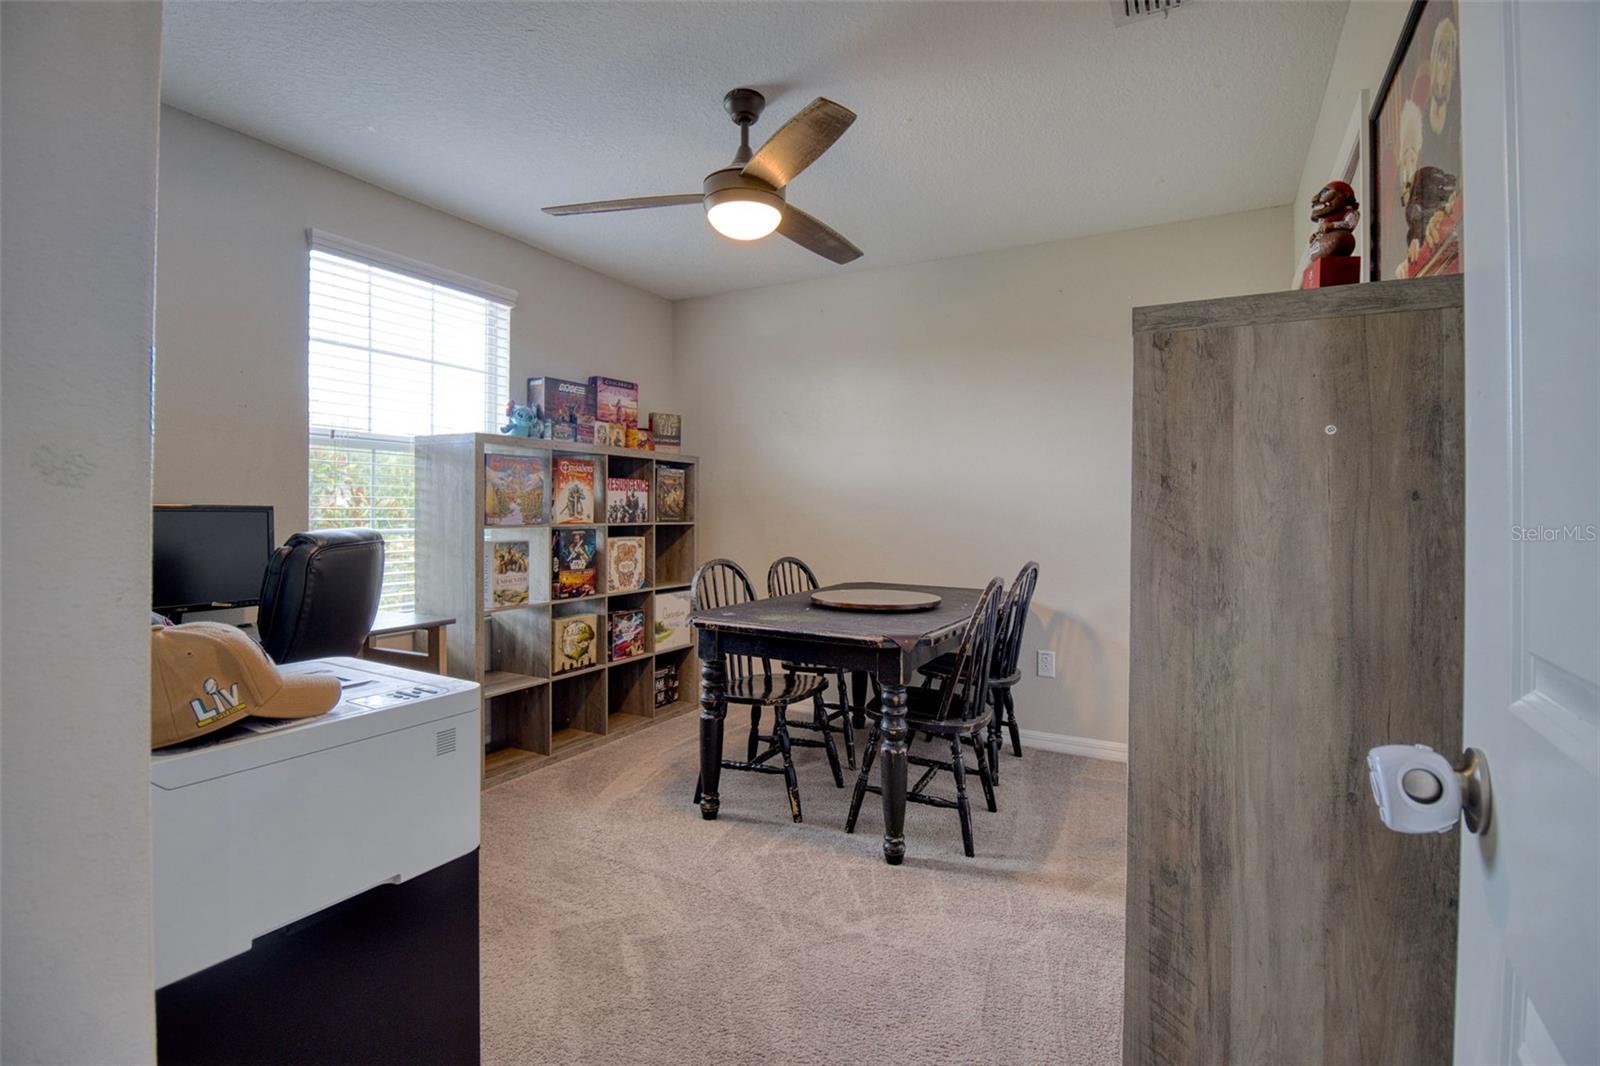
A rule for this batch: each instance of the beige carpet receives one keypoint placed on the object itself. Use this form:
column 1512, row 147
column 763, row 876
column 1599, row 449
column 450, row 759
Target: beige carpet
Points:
column 619, row 927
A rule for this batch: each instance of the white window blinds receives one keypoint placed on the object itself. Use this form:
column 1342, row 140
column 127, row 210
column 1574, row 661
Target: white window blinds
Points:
column 393, row 354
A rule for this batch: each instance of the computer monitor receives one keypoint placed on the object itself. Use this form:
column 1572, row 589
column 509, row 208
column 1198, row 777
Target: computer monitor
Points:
column 209, row 556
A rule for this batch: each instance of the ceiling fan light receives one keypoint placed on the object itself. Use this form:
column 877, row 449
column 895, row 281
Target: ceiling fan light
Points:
column 743, row 214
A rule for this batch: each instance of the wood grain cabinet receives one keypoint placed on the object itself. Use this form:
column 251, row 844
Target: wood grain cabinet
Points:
column 1296, row 600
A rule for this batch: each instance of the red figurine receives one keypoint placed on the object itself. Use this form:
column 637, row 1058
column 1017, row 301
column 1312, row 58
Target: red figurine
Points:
column 1335, row 211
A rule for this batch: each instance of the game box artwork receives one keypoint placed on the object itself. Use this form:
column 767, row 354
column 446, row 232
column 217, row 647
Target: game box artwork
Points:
column 616, row 402
column 671, row 495
column 573, row 557
column 572, row 498
column 505, row 577
column 666, row 683
column 625, row 569
column 513, row 490
column 627, row 500
column 666, row 431
column 574, row 640
column 672, row 620
column 568, row 404
column 627, row 634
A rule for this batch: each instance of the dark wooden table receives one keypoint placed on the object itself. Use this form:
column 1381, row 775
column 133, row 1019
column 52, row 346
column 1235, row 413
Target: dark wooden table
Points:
column 792, row 629
column 393, row 623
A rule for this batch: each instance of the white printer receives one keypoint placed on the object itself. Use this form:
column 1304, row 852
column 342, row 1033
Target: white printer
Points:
column 287, row 818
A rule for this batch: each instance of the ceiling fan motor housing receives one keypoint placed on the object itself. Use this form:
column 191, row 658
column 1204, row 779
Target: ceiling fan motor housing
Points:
column 730, row 183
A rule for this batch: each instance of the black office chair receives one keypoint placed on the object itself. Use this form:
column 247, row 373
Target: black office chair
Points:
column 320, row 594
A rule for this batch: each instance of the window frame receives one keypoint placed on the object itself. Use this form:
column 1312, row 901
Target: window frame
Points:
column 399, row 583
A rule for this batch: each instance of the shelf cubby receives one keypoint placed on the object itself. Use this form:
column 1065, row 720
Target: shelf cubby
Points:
column 578, row 701
column 518, row 721
column 674, row 556
column 630, row 688
column 519, row 641
column 688, row 667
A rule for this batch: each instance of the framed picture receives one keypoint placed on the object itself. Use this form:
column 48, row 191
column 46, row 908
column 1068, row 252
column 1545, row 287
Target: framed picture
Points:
column 1414, row 214
column 1352, row 168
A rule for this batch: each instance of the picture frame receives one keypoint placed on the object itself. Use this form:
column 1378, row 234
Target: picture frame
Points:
column 1351, row 166
column 1414, row 214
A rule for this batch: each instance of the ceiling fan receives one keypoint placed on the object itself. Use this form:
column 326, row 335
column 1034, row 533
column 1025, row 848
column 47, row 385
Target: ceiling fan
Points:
column 745, row 199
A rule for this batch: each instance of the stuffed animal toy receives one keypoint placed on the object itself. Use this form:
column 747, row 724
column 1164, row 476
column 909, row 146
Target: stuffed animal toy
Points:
column 525, row 421
column 520, row 419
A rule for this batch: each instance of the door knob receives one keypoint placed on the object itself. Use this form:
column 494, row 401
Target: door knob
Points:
column 1419, row 791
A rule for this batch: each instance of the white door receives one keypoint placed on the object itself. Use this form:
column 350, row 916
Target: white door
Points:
column 1528, row 966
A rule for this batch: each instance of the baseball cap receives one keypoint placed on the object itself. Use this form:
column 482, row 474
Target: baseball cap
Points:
column 206, row 675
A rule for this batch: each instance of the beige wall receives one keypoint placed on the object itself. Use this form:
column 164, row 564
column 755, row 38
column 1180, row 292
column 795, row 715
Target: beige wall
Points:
column 231, row 286
column 1371, row 29
column 944, row 422
column 81, row 89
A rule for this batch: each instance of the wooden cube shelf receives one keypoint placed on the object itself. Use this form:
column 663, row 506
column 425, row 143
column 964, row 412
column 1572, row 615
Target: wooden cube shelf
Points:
column 530, row 714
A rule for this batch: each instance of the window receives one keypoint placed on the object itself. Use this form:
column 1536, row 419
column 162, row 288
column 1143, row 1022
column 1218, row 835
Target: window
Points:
column 395, row 350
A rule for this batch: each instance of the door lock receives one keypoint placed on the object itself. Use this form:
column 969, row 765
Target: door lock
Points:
column 1418, row 791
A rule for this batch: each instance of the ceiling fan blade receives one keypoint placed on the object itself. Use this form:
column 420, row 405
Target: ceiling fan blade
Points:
column 595, row 207
column 816, row 236
column 799, row 142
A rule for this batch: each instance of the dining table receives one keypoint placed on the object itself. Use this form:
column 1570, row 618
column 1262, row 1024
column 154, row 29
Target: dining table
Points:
column 883, row 644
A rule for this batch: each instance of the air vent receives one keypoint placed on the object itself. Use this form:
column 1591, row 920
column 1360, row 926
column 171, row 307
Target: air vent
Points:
column 444, row 741
column 1125, row 11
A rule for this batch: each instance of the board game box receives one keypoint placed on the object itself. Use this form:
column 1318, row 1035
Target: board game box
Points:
column 572, row 497
column 666, row 684
column 574, row 642
column 627, row 634
column 573, row 558
column 568, row 404
column 627, row 500
column 505, row 573
column 672, row 627
column 671, row 494
column 513, row 490
column 666, row 431
column 625, row 569
column 616, row 402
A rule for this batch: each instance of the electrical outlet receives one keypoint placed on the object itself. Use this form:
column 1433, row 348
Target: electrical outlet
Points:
column 1047, row 664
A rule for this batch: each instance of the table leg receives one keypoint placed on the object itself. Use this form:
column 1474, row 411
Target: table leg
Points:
column 858, row 698
column 713, row 709
column 436, row 650
column 892, row 771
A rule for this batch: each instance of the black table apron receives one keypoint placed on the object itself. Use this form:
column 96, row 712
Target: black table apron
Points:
column 791, row 629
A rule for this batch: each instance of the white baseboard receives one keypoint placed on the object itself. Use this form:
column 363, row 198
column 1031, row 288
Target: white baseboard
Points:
column 1109, row 750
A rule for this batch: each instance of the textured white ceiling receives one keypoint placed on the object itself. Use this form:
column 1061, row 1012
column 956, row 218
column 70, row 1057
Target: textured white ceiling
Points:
column 982, row 125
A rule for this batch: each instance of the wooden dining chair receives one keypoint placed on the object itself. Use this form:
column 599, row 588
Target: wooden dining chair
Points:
column 785, row 577
column 1006, row 672
column 959, row 710
column 752, row 682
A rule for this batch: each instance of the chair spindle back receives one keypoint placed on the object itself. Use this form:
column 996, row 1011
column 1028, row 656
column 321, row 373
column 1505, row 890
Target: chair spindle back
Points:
column 1013, row 620
column 790, row 575
column 723, row 583
column 974, row 658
